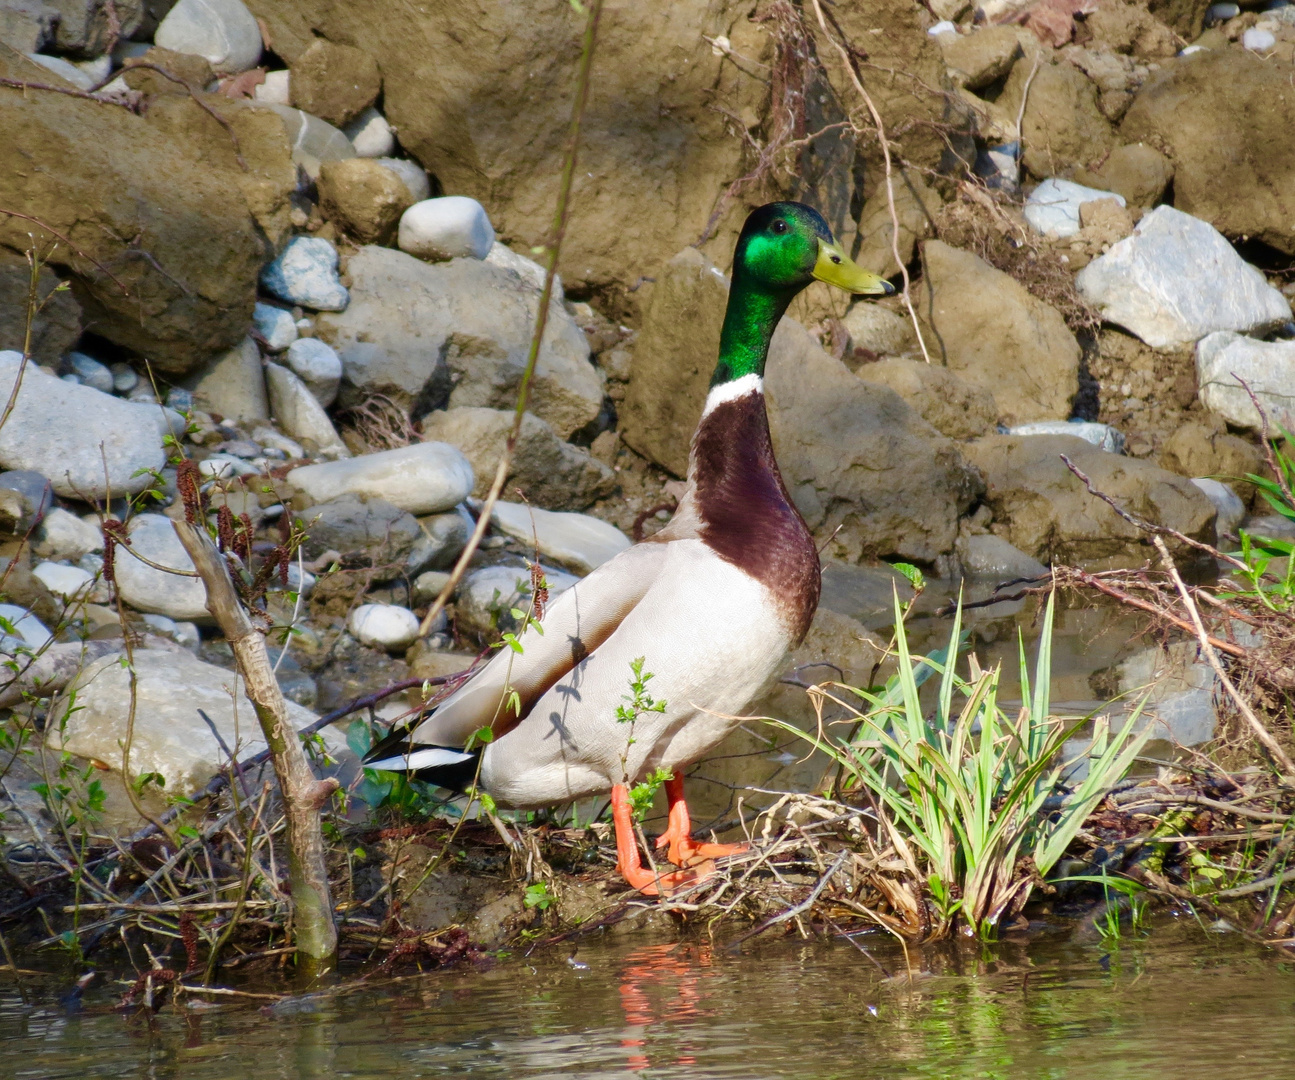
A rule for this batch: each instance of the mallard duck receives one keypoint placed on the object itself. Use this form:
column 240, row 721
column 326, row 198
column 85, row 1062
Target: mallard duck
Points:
column 712, row 603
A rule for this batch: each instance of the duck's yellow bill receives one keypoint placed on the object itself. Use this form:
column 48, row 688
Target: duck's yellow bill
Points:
column 836, row 268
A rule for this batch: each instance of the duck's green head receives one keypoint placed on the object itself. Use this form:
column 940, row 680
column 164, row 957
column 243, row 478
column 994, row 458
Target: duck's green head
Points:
column 786, row 245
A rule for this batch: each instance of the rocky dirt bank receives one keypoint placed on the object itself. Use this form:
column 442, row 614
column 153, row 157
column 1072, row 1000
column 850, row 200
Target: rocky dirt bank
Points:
column 297, row 245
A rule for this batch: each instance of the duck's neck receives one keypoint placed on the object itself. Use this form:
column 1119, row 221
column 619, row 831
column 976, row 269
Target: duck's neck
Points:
column 749, row 323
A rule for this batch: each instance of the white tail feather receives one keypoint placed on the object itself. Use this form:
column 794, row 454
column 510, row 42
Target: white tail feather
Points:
column 420, row 759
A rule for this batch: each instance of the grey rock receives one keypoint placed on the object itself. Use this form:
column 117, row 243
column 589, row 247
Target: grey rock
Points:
column 69, row 583
column 370, row 134
column 356, row 523
column 576, row 541
column 232, row 384
column 553, row 474
column 414, row 329
column 124, row 378
column 428, row 585
column 1231, row 509
column 989, row 556
column 527, row 270
column 25, row 498
column 55, row 328
column 182, row 633
column 64, row 69
column 317, row 364
column 275, row 326
column 953, row 407
column 306, row 274
column 1177, row 279
column 312, row 141
column 879, row 330
column 1267, row 366
column 1053, row 206
column 444, row 536
column 1273, row 526
column 223, row 31
column 148, row 589
column 1103, row 436
column 62, row 535
column 169, row 736
column 27, row 26
column 298, row 412
column 1048, row 514
column 486, row 597
column 82, row 440
column 426, row 478
column 91, row 372
column 1180, row 688
column 84, row 28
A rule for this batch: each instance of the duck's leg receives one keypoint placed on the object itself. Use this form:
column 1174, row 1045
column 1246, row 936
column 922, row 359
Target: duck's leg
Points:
column 627, row 853
column 684, row 850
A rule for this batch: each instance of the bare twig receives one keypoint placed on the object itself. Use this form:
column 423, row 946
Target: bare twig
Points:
column 1256, row 726
column 848, row 60
column 553, row 248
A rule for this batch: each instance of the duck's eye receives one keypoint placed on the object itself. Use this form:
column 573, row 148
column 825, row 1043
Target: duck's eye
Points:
column 779, row 227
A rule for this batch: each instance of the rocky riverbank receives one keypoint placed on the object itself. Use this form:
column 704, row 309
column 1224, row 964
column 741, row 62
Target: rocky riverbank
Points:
column 299, row 247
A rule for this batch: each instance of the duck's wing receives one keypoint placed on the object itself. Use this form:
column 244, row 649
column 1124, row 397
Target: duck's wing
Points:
column 576, row 623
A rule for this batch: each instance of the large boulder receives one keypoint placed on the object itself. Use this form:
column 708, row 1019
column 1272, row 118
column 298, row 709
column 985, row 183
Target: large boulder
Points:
column 88, row 443
column 985, row 327
column 861, row 465
column 458, row 331
column 170, row 737
column 167, row 230
column 1062, row 126
column 1222, row 116
column 1177, row 279
column 551, row 473
column 953, row 407
column 1043, row 509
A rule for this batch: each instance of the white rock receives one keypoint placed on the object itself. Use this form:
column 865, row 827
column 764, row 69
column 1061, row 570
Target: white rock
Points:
column 275, row 326
column 413, row 174
column 223, row 31
column 298, row 412
column 423, row 479
column 370, row 134
column 1177, row 279
column 943, row 27
column 1267, row 366
column 274, row 88
column 124, row 378
column 148, row 589
column 312, row 141
column 990, row 556
column 232, row 383
column 1257, row 40
column 318, row 366
column 383, row 625
column 1102, row 436
column 1053, row 206
column 61, row 535
column 578, row 541
column 225, row 467
column 65, row 582
column 169, row 735
column 306, row 274
column 91, row 372
column 18, row 625
column 1232, row 510
column 530, row 272
column 451, row 227
column 57, row 429
column 97, row 69
column 64, row 69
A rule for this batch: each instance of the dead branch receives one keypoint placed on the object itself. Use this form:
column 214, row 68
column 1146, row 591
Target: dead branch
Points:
column 312, row 905
column 1256, row 726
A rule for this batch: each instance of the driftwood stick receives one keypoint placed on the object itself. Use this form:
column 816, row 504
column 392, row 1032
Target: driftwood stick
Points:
column 303, row 794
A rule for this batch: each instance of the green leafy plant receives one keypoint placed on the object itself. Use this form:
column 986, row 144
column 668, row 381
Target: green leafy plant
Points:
column 537, row 896
column 972, row 800
column 637, row 702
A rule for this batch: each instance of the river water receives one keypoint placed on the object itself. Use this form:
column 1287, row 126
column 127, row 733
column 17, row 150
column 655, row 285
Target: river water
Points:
column 1060, row 1004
